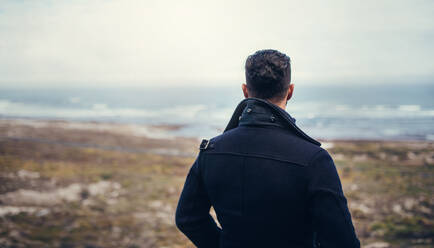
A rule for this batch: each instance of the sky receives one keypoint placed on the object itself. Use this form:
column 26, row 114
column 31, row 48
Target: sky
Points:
column 101, row 43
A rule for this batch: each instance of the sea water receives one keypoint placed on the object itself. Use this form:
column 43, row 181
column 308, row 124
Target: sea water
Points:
column 383, row 112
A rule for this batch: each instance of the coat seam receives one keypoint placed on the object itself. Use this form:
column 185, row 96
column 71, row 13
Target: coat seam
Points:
column 242, row 185
column 315, row 155
column 347, row 222
column 256, row 156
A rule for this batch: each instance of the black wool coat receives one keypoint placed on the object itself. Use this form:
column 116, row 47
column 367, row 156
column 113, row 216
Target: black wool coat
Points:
column 270, row 184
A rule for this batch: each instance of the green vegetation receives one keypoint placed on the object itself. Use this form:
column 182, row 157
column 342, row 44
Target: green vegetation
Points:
column 389, row 186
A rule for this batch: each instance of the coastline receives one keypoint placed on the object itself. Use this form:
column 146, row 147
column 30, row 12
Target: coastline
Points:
column 63, row 181
column 154, row 139
column 162, row 131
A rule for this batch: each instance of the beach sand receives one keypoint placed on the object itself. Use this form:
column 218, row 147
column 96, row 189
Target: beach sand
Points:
column 89, row 184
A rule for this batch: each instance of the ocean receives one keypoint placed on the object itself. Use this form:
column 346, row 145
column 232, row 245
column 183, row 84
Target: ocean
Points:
column 379, row 112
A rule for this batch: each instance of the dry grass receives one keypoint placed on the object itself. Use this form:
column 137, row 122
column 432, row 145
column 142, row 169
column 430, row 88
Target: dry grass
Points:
column 389, row 186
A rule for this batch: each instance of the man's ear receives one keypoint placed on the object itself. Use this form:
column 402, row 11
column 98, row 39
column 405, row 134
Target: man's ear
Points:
column 290, row 91
column 245, row 92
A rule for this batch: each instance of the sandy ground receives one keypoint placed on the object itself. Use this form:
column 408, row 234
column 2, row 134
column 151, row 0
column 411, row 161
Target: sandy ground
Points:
column 69, row 184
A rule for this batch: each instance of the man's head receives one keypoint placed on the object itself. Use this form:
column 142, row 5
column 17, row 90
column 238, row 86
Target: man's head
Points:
column 268, row 76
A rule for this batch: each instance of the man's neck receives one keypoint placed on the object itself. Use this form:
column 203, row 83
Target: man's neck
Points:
column 281, row 104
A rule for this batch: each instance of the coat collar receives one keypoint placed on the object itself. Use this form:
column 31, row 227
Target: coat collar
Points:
column 264, row 111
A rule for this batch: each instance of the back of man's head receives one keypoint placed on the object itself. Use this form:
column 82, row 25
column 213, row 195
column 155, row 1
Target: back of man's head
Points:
column 268, row 74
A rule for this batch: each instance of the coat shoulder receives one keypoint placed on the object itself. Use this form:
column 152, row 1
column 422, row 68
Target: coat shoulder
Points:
column 276, row 143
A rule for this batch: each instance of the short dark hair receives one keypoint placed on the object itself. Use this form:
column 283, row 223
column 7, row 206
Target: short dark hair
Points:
column 268, row 74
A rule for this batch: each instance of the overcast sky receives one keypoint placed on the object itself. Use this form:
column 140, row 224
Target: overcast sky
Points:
column 138, row 42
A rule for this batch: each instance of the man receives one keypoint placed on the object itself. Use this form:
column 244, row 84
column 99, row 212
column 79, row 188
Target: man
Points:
column 270, row 184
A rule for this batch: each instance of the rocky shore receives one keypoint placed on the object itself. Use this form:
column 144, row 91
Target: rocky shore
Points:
column 70, row 184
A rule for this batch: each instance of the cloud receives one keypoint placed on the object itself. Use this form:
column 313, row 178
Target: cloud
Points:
column 147, row 42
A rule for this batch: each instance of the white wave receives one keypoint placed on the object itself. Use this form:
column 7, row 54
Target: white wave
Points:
column 410, row 108
column 311, row 110
column 99, row 110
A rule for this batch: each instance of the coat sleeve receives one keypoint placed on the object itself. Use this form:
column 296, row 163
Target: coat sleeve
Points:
column 192, row 213
column 328, row 205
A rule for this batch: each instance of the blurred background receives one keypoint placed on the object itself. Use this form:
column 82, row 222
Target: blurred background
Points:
column 103, row 104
